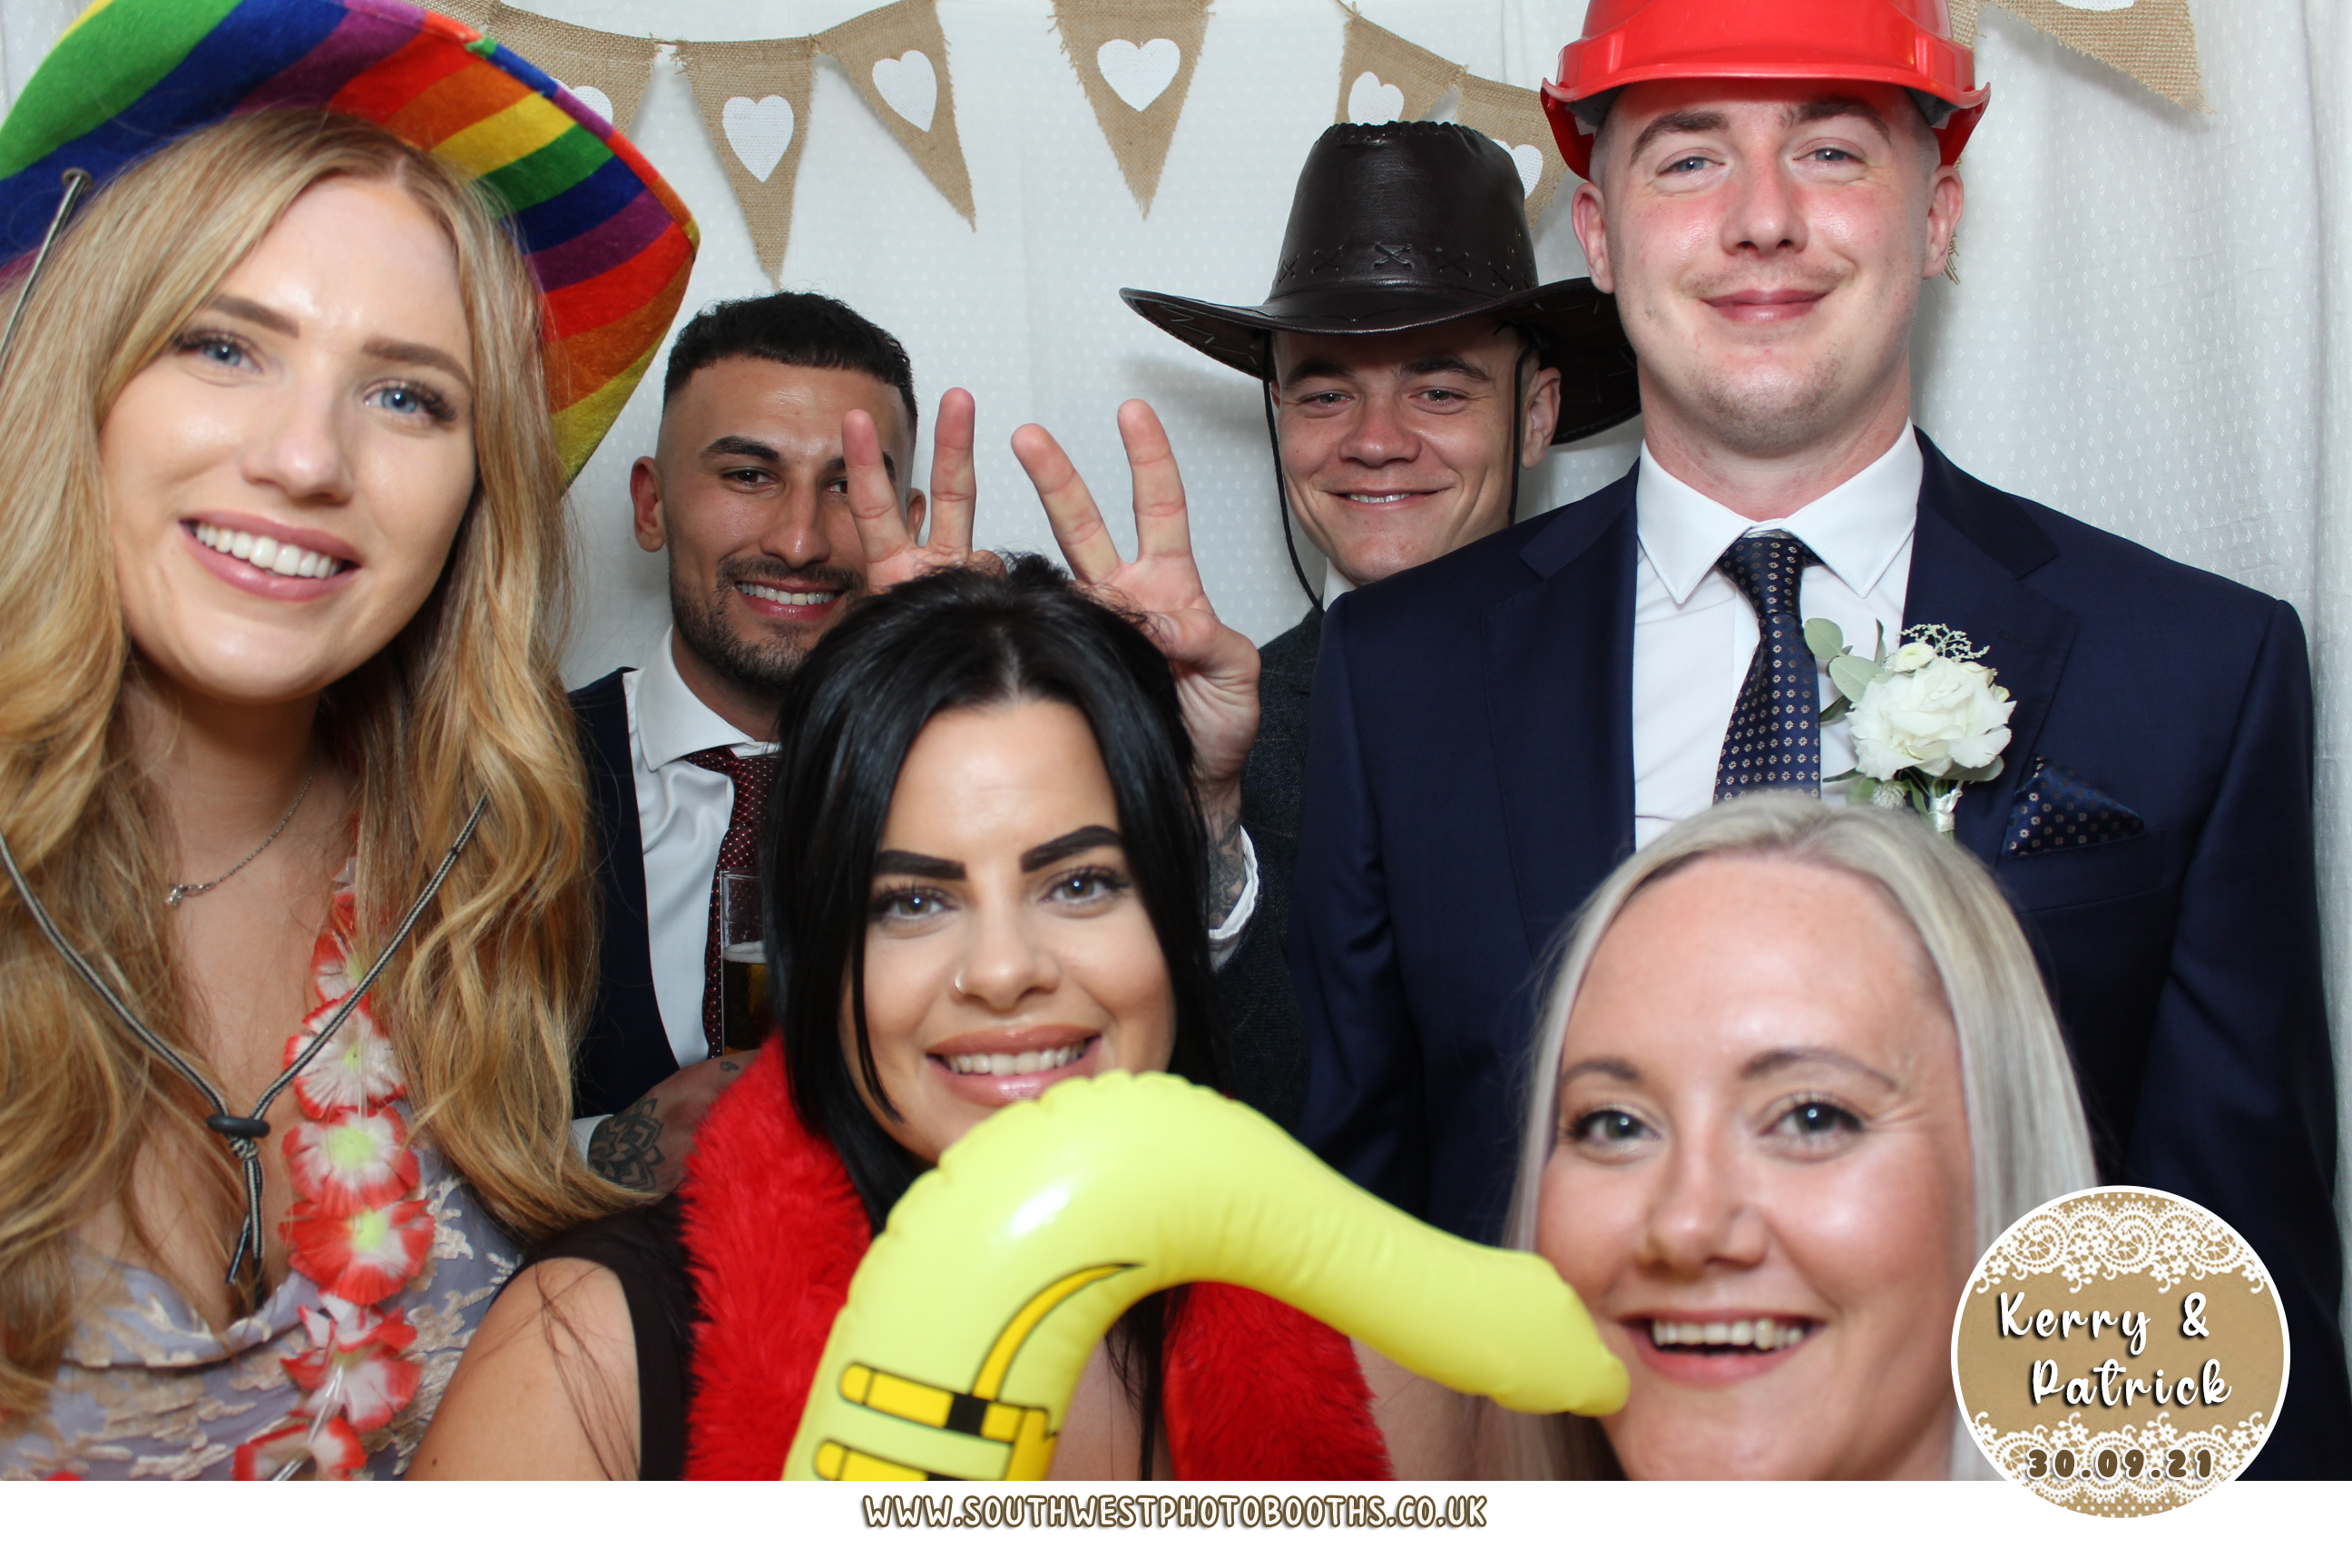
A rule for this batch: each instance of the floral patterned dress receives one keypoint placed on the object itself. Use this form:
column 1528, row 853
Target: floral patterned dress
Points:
column 392, row 1262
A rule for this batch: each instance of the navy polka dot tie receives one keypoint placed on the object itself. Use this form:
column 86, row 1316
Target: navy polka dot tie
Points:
column 739, row 851
column 1775, row 739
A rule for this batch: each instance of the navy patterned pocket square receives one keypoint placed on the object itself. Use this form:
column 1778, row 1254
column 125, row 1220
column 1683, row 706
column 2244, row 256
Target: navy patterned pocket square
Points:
column 2058, row 811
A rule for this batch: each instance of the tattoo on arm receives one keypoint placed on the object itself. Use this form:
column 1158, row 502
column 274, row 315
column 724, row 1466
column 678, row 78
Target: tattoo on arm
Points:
column 1228, row 874
column 626, row 1150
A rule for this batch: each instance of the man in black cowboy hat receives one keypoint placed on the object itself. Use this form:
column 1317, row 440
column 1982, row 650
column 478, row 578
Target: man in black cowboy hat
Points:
column 1413, row 367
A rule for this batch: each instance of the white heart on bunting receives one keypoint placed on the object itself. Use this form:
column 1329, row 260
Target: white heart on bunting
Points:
column 909, row 86
column 1373, row 101
column 1139, row 73
column 759, row 131
column 590, row 98
column 1528, row 160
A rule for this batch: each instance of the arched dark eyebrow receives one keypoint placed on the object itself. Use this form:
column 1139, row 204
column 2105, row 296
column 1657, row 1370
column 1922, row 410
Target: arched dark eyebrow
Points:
column 1615, row 1068
column 1067, row 844
column 742, row 447
column 906, row 863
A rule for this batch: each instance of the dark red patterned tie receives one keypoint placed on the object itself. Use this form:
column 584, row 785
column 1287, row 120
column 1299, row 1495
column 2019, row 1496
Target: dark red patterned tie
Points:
column 739, row 851
column 1775, row 738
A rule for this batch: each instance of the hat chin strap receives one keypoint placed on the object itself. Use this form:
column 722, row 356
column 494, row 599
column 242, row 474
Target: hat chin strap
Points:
column 1282, row 489
column 1518, row 421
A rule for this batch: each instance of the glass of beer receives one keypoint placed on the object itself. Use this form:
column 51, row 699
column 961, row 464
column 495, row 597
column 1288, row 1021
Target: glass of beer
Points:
column 744, row 1020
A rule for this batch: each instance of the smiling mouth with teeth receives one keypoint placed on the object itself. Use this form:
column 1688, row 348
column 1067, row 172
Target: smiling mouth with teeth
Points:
column 260, row 549
column 1741, row 1336
column 1008, row 1064
column 780, row 597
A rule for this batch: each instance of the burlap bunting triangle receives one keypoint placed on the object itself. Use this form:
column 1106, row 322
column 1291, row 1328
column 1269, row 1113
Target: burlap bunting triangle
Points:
column 1135, row 61
column 605, row 71
column 898, row 59
column 2154, row 42
column 1514, row 117
column 1383, row 78
column 754, row 99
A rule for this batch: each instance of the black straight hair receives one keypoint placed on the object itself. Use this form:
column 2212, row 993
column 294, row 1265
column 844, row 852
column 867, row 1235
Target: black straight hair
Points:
column 960, row 640
column 813, row 331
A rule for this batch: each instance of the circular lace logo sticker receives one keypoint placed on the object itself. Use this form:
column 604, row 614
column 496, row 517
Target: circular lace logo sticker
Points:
column 2120, row 1351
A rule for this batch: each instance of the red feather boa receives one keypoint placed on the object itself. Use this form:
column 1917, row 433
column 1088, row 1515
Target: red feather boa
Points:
column 1254, row 1390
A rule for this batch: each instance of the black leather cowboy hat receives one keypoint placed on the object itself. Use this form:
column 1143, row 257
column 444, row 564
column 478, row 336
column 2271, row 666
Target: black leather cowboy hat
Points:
column 1412, row 225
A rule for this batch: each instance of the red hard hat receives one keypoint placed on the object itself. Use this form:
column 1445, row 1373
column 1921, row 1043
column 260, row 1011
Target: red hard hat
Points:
column 1905, row 42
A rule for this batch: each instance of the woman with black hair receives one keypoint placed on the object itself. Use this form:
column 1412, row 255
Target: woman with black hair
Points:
column 985, row 872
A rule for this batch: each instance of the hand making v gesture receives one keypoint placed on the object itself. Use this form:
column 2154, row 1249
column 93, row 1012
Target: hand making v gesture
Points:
column 893, row 556
column 1216, row 667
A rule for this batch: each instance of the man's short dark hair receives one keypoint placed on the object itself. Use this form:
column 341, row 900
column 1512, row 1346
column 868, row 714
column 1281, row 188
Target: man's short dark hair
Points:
column 813, row 331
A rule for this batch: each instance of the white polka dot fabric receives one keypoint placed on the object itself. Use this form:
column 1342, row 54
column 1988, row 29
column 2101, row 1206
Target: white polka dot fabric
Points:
column 2152, row 331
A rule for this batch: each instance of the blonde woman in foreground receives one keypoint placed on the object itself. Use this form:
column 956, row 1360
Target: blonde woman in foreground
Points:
column 1797, row 1071
column 284, row 559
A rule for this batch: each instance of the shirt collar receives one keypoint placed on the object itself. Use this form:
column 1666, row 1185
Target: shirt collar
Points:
column 672, row 722
column 1856, row 530
column 1333, row 587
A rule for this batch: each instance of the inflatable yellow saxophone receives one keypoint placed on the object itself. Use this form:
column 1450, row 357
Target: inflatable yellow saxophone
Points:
column 975, row 1310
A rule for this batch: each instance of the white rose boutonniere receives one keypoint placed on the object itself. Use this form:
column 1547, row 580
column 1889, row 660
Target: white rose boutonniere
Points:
column 1926, row 719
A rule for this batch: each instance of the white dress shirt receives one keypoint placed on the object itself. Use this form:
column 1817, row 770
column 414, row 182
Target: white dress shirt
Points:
column 683, row 810
column 1693, row 633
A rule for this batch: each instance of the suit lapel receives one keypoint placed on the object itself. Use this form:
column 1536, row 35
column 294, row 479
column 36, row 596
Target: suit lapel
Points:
column 1972, row 546
column 1559, row 693
column 624, row 1048
column 1297, row 671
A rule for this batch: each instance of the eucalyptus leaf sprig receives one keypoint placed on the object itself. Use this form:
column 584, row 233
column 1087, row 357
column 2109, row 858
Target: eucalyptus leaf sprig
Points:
column 1926, row 719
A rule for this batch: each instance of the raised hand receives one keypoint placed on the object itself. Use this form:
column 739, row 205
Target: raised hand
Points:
column 893, row 554
column 1216, row 667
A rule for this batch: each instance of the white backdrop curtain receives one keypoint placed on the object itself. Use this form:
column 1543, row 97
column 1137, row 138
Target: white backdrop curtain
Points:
column 2154, row 332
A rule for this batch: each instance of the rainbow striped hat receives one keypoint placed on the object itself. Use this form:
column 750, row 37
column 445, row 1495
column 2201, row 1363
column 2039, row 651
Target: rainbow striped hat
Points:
column 610, row 242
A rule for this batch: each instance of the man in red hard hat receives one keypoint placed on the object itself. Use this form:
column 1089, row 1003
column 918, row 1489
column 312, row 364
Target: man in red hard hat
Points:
column 1771, row 186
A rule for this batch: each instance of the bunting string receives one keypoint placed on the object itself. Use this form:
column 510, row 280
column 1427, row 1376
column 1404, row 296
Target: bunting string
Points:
column 1134, row 60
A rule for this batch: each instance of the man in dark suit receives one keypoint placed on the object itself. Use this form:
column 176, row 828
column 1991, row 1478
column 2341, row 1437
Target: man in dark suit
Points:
column 1413, row 367
column 747, row 499
column 1492, row 733
column 778, row 494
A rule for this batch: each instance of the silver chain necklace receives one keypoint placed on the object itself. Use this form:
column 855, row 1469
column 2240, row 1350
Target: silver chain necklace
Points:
column 190, row 890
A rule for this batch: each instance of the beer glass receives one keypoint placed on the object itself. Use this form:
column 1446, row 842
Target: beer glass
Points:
column 744, row 1020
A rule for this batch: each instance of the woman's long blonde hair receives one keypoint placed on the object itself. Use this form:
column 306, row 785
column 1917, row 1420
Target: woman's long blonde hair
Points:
column 2027, row 1136
column 485, row 1000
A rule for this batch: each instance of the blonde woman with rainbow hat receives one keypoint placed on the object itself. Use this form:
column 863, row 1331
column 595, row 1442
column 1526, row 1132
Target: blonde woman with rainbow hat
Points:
column 319, row 304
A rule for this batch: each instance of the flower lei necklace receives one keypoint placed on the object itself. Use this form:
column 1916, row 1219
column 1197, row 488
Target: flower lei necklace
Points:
column 357, row 1229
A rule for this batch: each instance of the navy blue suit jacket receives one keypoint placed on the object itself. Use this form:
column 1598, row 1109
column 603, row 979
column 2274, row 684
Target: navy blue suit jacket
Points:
column 1470, row 781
